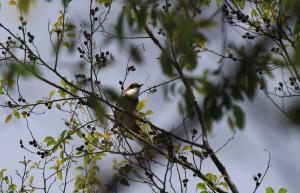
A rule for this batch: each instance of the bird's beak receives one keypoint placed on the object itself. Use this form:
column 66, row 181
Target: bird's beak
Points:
column 141, row 85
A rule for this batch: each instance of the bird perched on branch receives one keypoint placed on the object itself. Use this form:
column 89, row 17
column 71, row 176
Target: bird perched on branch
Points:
column 128, row 102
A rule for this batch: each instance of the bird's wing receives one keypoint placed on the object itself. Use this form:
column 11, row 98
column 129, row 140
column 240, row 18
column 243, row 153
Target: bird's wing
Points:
column 127, row 104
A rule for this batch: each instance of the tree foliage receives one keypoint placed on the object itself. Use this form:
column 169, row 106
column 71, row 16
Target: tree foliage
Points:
column 179, row 31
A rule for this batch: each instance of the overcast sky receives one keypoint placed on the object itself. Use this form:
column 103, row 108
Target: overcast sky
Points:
column 243, row 157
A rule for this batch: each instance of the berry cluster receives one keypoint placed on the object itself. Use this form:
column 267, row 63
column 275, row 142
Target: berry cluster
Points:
column 48, row 105
column 294, row 83
column 131, row 68
column 24, row 113
column 150, row 175
column 33, row 143
column 93, row 13
column 102, row 57
column 257, row 178
column 194, row 132
column 161, row 32
column 185, row 181
column 31, row 56
column 182, row 158
column 43, row 154
column 9, row 104
column 275, row 50
column 81, row 148
column 20, row 99
column 30, row 37
column 247, row 35
column 81, row 52
column 23, row 23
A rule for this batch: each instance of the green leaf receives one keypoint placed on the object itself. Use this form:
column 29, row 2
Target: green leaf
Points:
column 269, row 190
column 282, row 190
column 24, row 5
column 166, row 63
column 201, row 186
column 66, row 44
column 8, row 118
column 16, row 114
column 149, row 112
column 254, row 13
column 188, row 99
column 2, row 172
column 218, row 2
column 71, row 35
column 12, row 187
column 79, row 168
column 239, row 116
column 189, row 60
column 79, row 183
column 242, row 4
column 49, row 140
column 125, row 169
column 211, row 177
column 197, row 153
column 136, row 55
column 224, row 184
column 98, row 107
column 62, row 135
column 187, row 148
column 106, row 3
column 124, row 182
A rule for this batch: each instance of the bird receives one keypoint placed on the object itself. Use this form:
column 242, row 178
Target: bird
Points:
column 128, row 103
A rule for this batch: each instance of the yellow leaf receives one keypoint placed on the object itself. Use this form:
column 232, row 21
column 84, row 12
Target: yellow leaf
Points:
column 59, row 22
column 31, row 180
column 8, row 118
column 106, row 135
column 34, row 165
column 52, row 92
column 141, row 104
column 12, row 2
column 59, row 162
column 59, row 175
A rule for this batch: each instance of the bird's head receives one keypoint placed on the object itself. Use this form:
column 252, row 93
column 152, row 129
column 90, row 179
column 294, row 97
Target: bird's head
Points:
column 133, row 90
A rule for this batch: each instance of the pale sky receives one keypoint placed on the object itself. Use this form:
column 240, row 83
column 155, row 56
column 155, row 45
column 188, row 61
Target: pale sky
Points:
column 243, row 157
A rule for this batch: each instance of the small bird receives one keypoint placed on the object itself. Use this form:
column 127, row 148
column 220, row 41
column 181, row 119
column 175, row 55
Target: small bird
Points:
column 128, row 102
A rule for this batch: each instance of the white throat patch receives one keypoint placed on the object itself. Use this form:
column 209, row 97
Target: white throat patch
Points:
column 134, row 92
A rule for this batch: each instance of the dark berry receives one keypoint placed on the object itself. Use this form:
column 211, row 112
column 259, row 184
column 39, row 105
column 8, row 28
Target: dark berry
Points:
column 259, row 175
